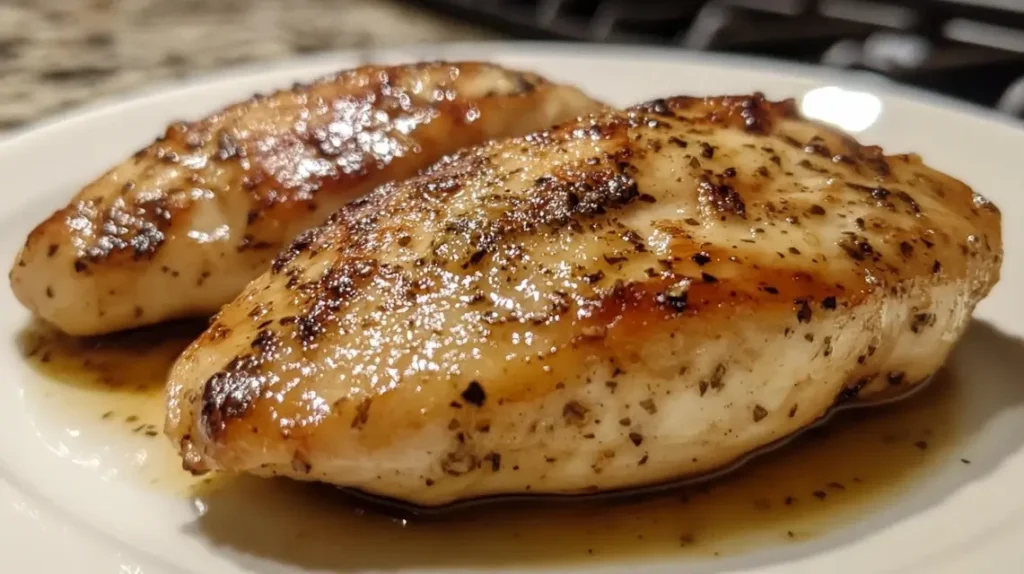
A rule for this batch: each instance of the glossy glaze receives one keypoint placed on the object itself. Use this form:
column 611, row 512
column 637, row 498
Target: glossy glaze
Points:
column 178, row 229
column 637, row 297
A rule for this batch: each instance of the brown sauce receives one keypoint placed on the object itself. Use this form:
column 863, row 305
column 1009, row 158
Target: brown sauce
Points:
column 824, row 479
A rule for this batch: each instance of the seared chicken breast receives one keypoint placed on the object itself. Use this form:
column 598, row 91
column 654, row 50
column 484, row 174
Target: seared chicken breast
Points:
column 181, row 227
column 631, row 298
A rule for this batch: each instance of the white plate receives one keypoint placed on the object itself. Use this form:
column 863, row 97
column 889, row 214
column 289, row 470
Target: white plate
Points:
column 69, row 504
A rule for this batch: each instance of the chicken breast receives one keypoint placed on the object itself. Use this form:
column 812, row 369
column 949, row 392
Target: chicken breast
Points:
column 637, row 297
column 181, row 227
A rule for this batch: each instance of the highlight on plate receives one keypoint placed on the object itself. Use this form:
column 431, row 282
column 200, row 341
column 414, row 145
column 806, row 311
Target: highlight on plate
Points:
column 441, row 282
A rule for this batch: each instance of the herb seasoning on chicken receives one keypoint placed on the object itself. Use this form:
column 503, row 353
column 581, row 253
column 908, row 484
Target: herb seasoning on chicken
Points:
column 631, row 298
column 180, row 228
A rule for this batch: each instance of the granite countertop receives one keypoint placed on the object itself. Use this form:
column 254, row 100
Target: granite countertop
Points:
column 59, row 54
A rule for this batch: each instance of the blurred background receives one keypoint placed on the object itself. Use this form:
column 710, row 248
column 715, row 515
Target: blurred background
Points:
column 57, row 54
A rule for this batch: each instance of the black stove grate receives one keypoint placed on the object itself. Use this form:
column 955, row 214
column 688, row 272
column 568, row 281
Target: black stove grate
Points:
column 971, row 49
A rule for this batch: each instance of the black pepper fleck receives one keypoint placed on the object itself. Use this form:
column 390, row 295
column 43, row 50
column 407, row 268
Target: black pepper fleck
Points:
column 574, row 412
column 803, row 312
column 701, row 258
column 759, row 413
column 474, row 394
column 922, row 320
column 495, row 461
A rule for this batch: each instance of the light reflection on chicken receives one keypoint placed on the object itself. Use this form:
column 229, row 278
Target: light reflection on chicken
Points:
column 637, row 297
column 180, row 228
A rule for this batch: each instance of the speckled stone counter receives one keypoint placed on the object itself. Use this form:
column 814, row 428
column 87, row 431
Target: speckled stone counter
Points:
column 58, row 54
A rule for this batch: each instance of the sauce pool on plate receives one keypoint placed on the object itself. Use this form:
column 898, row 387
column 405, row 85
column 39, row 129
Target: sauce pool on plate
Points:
column 112, row 389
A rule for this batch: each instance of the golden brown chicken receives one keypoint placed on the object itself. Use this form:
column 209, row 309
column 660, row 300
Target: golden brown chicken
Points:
column 636, row 297
column 182, row 226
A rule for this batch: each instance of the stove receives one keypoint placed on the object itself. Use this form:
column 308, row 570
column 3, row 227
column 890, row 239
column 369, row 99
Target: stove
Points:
column 970, row 49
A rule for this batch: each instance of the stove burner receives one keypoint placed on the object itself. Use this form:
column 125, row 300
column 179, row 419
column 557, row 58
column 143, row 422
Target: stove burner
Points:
column 970, row 49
